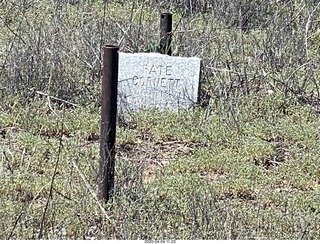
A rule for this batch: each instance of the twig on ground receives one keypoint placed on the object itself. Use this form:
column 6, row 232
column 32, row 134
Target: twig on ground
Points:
column 51, row 185
column 54, row 98
column 15, row 225
column 74, row 163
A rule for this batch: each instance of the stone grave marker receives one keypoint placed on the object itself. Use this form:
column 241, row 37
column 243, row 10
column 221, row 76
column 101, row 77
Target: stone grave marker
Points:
column 153, row 80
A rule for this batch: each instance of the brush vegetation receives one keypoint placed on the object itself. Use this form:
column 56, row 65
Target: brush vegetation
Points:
column 241, row 164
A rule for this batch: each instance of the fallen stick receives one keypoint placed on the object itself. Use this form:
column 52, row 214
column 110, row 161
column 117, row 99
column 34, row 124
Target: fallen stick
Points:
column 55, row 98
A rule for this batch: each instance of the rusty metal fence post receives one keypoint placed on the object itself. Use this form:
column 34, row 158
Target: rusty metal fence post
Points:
column 108, row 121
column 165, row 33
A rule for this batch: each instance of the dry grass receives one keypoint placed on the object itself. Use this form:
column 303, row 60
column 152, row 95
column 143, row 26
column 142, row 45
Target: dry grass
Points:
column 243, row 164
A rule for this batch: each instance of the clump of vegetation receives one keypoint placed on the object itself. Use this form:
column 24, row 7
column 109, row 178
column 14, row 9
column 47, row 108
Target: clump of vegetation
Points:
column 242, row 164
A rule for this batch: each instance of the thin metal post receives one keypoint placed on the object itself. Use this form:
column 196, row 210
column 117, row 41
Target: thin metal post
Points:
column 165, row 33
column 108, row 121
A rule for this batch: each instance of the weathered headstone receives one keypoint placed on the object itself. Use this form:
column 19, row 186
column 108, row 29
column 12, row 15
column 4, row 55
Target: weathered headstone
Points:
column 153, row 80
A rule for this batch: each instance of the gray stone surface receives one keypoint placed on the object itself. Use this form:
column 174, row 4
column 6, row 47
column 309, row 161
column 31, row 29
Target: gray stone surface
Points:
column 153, row 80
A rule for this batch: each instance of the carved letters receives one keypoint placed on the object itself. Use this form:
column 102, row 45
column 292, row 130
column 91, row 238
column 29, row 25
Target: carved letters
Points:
column 157, row 81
